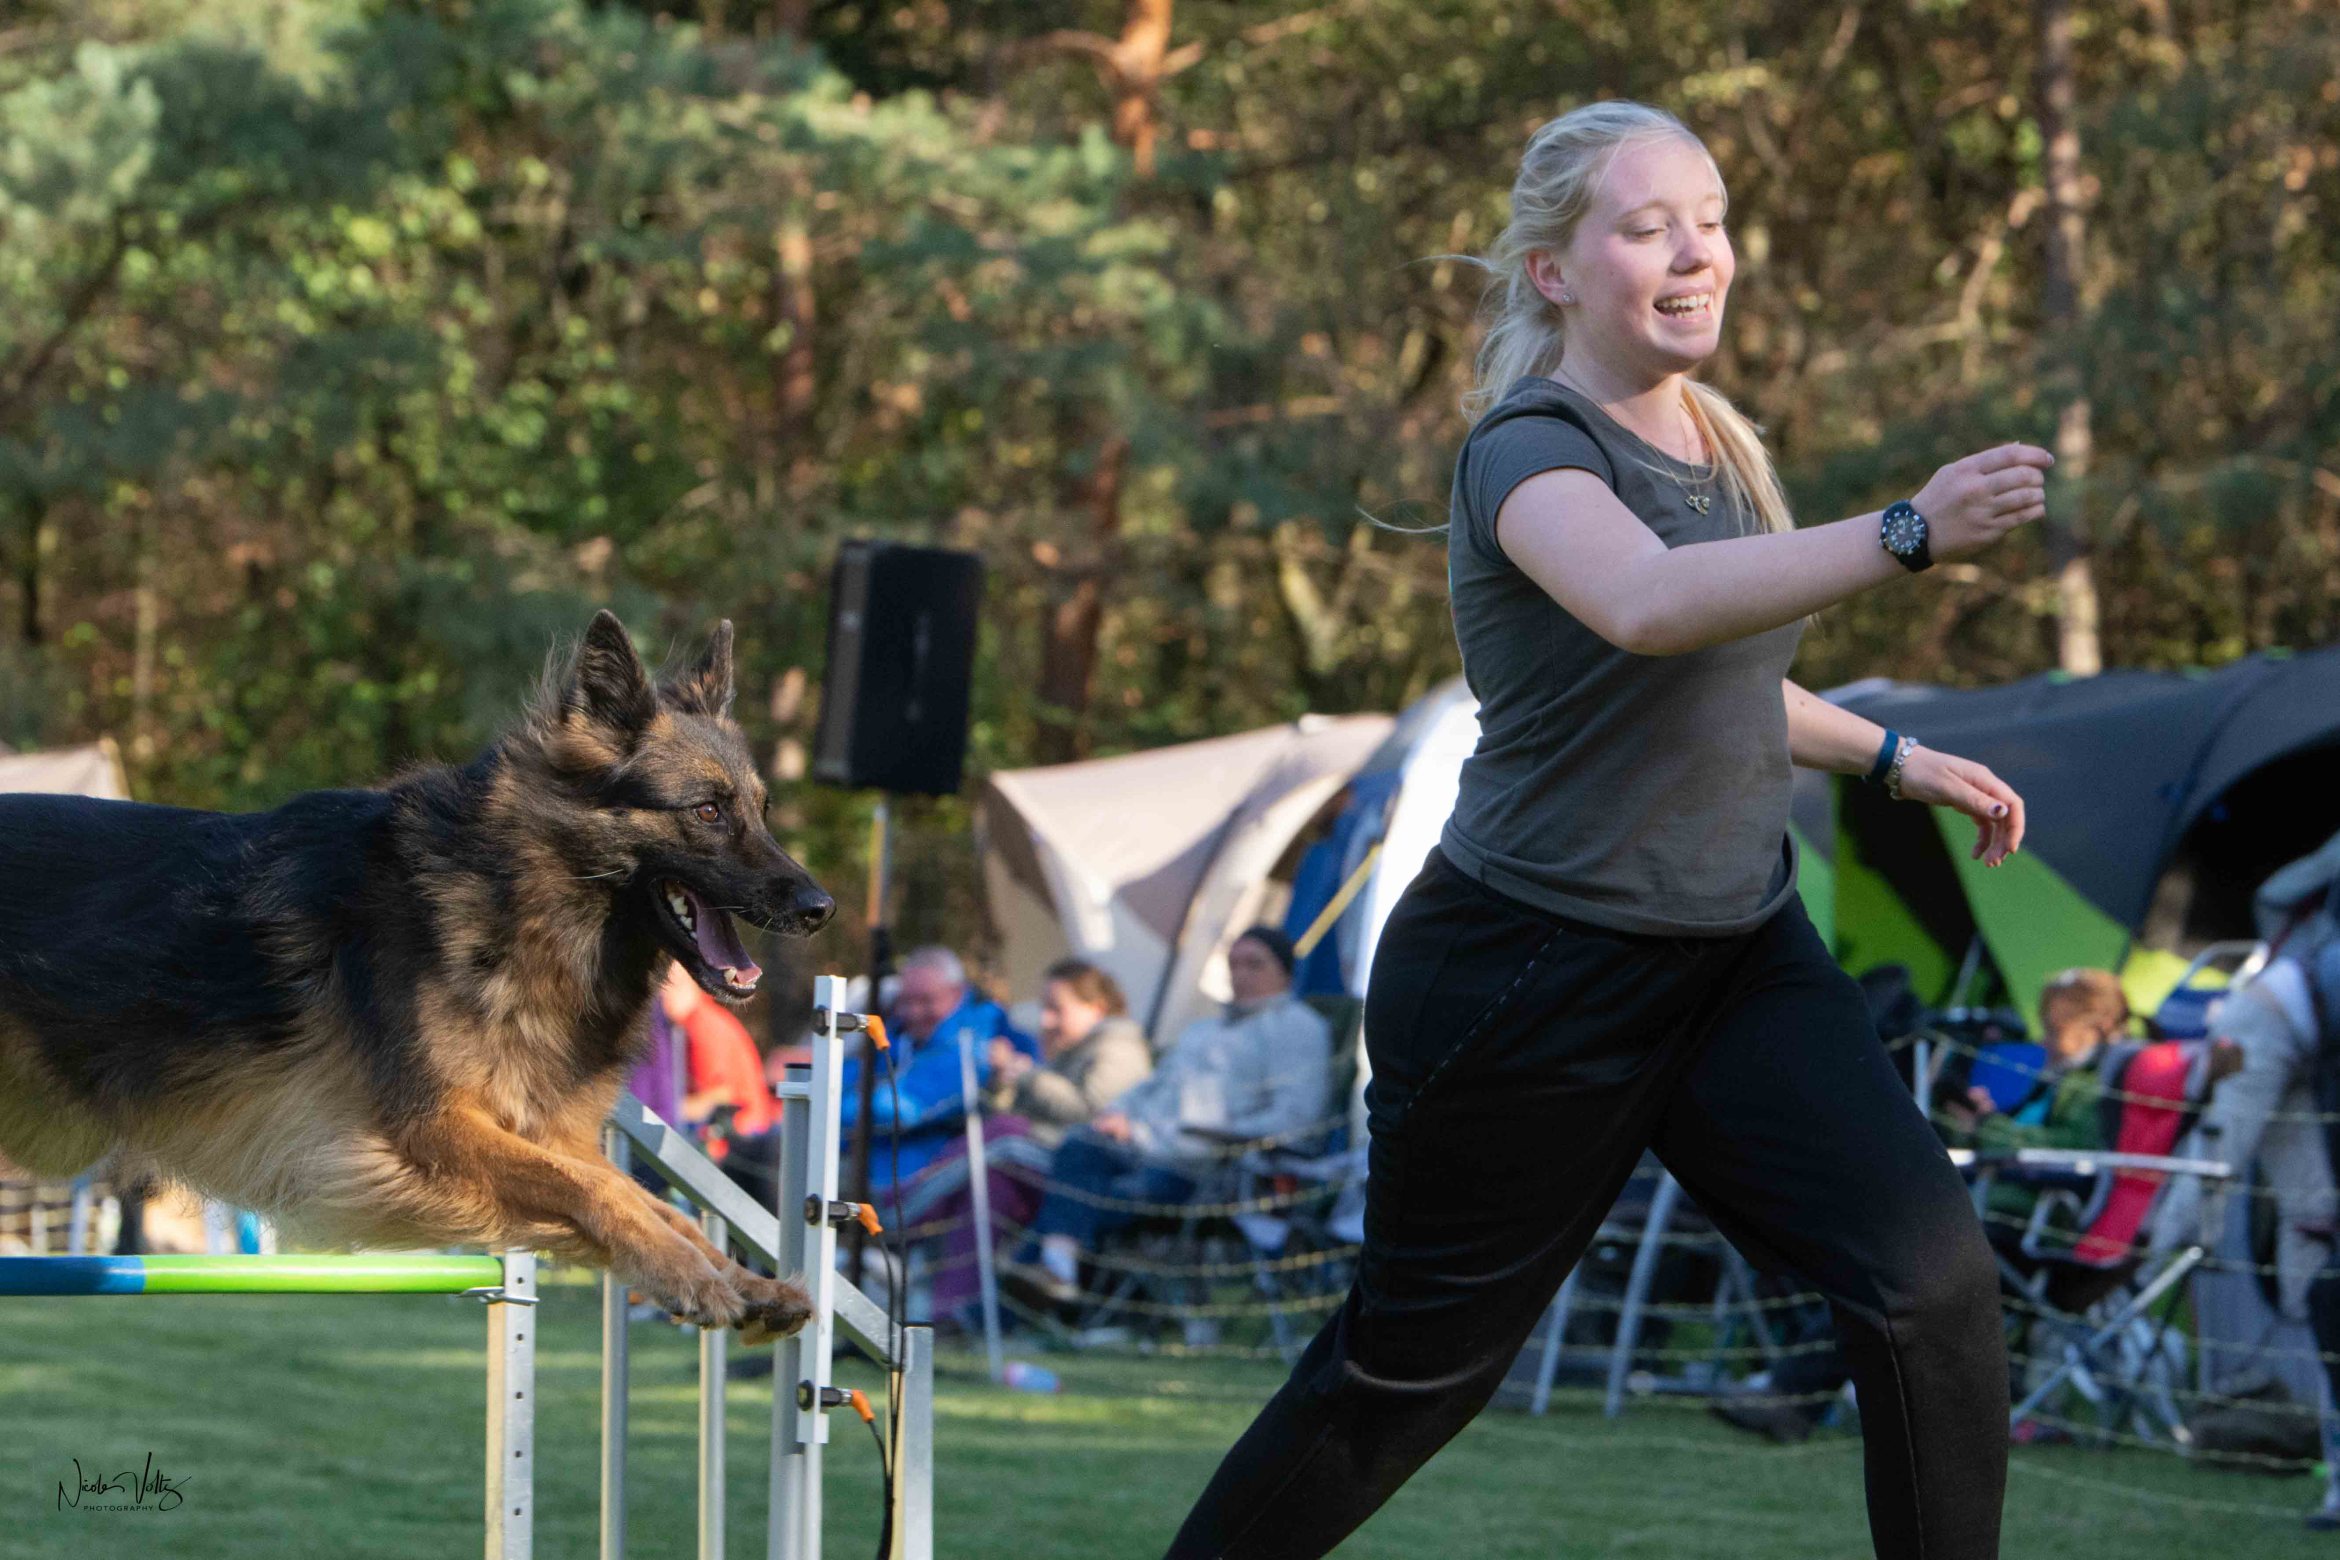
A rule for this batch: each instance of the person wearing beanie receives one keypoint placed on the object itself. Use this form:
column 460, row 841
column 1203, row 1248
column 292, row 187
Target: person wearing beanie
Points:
column 1259, row 1070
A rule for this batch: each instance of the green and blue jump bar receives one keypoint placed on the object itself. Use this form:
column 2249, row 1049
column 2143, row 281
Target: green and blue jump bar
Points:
column 388, row 1274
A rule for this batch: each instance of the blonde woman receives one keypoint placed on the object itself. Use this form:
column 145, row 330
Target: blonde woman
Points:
column 1606, row 953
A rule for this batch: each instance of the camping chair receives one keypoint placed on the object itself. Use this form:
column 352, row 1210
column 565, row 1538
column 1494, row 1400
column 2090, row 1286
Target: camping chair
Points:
column 1976, row 1047
column 1309, row 1221
column 1648, row 1221
column 1274, row 1216
column 2087, row 1291
column 2185, row 1013
column 1286, row 1217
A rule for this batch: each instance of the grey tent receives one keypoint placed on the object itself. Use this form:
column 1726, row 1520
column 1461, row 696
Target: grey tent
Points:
column 1151, row 863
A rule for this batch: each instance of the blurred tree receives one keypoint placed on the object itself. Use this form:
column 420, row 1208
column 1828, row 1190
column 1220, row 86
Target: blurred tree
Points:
column 2079, row 650
column 351, row 350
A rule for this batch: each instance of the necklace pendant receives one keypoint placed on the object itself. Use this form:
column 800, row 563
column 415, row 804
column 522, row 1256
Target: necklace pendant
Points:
column 1698, row 501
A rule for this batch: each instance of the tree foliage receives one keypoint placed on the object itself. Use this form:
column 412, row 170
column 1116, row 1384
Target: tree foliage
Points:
column 351, row 350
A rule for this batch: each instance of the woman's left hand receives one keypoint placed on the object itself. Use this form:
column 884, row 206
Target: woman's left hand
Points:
column 1946, row 780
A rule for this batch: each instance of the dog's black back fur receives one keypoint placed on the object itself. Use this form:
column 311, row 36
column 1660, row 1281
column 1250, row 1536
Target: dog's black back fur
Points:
column 491, row 929
column 136, row 940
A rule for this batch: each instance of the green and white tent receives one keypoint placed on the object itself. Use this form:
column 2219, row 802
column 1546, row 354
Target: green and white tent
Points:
column 2158, row 803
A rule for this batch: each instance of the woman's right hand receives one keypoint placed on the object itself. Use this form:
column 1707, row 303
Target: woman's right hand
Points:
column 1007, row 1063
column 1971, row 503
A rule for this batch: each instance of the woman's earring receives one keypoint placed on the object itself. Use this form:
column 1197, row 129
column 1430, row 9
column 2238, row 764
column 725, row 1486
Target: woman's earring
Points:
column 1568, row 297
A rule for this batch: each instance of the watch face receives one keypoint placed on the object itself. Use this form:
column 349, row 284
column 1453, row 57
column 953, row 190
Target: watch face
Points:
column 1905, row 531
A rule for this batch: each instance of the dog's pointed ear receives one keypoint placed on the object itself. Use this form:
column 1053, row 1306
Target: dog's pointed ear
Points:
column 607, row 684
column 707, row 688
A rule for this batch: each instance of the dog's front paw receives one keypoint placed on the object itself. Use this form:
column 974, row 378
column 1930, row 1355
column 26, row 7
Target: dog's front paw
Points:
column 774, row 1309
column 703, row 1299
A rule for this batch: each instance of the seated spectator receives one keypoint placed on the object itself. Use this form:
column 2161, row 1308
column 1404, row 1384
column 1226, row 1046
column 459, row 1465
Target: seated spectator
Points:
column 1261, row 1070
column 933, row 1006
column 2082, row 1011
column 725, row 1069
column 1091, row 1054
column 702, row 1062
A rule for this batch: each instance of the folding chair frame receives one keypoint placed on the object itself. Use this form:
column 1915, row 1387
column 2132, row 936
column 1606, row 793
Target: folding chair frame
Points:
column 1736, row 1303
column 2090, row 1339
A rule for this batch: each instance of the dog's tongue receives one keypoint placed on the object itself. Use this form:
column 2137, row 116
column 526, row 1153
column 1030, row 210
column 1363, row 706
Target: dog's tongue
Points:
column 719, row 944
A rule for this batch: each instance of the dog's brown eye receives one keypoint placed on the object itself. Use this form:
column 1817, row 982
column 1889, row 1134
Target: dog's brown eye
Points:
column 708, row 812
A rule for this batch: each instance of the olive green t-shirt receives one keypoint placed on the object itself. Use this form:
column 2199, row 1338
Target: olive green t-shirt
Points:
column 1643, row 793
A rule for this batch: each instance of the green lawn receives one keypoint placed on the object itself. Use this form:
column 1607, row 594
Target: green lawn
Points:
column 354, row 1427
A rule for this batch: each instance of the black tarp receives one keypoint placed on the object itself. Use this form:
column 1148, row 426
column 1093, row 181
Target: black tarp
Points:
column 2126, row 773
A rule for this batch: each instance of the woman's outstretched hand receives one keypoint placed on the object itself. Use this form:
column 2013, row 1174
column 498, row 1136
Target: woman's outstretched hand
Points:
column 1946, row 780
column 1971, row 503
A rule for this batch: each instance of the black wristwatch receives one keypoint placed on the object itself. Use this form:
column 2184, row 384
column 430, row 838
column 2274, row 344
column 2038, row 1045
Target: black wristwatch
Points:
column 1903, row 534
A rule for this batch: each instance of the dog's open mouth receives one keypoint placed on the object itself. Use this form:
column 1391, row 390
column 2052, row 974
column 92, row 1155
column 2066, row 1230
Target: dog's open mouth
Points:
column 711, row 933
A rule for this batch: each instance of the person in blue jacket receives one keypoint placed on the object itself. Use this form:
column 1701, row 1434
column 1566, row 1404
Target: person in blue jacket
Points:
column 933, row 1006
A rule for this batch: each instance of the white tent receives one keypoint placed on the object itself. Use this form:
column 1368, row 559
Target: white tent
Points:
column 1426, row 750
column 1150, row 864
column 95, row 770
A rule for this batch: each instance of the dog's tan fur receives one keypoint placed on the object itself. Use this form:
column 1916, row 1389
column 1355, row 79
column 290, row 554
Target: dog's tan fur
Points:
column 483, row 1127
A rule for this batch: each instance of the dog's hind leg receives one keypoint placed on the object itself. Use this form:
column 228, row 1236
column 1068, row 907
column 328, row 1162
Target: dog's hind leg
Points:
column 605, row 1214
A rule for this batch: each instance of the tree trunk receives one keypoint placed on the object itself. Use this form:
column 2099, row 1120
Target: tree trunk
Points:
column 1133, row 68
column 1145, row 40
column 39, row 539
column 1068, row 652
column 793, row 379
column 792, row 18
column 145, row 633
column 2079, row 650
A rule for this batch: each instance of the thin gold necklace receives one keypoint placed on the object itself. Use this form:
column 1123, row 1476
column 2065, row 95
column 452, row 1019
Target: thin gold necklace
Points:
column 1701, row 502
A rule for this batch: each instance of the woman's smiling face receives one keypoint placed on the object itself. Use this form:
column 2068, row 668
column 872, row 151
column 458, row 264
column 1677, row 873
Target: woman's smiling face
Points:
column 1649, row 265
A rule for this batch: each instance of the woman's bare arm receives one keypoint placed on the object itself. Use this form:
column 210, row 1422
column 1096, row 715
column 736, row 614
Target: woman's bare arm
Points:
column 1574, row 537
column 1828, row 737
column 1823, row 736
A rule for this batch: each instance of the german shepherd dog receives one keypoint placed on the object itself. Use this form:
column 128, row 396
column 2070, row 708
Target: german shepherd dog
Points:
column 398, row 1017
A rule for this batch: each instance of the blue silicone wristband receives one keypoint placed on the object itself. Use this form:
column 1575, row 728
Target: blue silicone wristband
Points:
column 1877, row 771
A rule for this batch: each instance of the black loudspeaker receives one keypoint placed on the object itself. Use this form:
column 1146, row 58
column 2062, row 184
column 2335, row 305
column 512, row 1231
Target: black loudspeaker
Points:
column 901, row 662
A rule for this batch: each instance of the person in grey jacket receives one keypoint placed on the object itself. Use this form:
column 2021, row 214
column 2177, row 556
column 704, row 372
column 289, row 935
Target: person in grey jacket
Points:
column 1092, row 1054
column 1261, row 1070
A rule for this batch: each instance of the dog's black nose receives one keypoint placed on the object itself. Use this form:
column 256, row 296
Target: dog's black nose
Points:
column 808, row 910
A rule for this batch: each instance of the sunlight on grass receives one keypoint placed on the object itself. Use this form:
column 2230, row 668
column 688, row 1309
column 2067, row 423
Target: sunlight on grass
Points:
column 353, row 1426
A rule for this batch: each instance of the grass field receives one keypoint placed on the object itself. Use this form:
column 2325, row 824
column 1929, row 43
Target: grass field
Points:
column 316, row 1427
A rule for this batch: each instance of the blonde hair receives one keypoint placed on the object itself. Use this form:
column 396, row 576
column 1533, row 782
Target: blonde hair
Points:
column 1559, row 174
column 2083, row 996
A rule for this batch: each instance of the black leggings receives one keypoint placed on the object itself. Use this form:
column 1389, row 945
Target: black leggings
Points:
column 1521, row 1064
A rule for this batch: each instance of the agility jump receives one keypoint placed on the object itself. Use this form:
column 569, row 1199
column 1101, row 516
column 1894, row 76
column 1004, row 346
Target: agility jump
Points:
column 799, row 1236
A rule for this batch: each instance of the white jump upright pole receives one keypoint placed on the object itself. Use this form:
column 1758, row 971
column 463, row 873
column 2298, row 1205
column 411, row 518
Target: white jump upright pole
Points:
column 808, row 1241
column 712, row 1379
column 979, row 1187
column 511, row 1411
column 615, row 1367
column 914, row 1459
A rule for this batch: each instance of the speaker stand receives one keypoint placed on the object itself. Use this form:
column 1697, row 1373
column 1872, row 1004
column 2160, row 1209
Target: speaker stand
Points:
column 881, row 965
